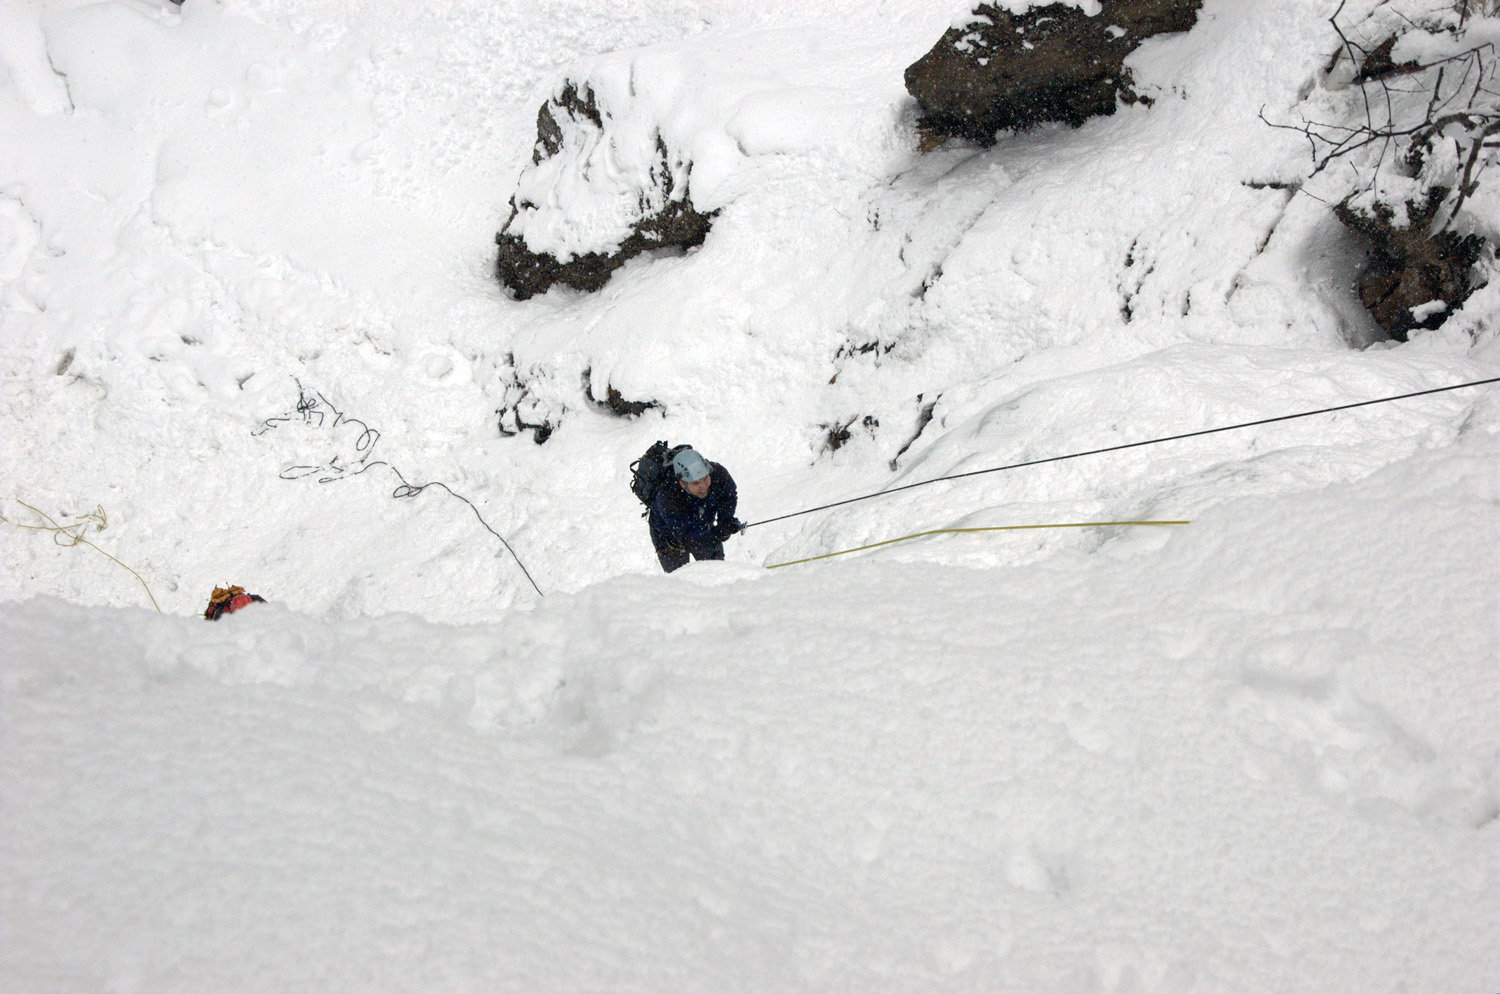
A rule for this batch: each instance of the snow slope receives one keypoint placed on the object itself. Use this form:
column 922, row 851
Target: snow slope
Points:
column 1256, row 755
column 245, row 247
column 249, row 202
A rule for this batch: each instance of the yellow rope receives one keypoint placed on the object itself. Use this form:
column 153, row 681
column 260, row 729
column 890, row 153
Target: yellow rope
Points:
column 68, row 536
column 955, row 531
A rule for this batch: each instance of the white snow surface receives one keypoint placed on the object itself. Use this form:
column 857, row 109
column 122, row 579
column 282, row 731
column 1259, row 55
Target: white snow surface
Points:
column 1260, row 751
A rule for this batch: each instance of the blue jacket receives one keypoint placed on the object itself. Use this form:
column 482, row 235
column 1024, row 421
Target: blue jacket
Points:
column 679, row 518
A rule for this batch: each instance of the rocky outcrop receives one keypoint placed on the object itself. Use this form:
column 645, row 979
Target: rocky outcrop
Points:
column 1055, row 62
column 591, row 200
column 1414, row 277
column 615, row 402
column 521, row 409
column 1378, row 64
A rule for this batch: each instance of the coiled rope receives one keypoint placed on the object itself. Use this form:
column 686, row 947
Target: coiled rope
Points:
column 308, row 409
column 69, row 536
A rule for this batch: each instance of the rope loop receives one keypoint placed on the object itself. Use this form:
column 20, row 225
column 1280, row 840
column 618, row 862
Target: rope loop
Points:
column 69, row 536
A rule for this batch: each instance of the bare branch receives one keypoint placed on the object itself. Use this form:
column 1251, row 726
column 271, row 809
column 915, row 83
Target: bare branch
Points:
column 1458, row 92
column 1468, row 184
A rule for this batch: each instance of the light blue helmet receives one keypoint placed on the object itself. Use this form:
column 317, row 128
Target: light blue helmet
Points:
column 689, row 465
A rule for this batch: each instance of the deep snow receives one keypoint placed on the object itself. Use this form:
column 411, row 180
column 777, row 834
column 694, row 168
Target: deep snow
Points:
column 1259, row 752
column 1258, row 756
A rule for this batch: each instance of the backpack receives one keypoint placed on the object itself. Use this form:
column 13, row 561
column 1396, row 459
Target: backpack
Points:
column 227, row 600
column 651, row 470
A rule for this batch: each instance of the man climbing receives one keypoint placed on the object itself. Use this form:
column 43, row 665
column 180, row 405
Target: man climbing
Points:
column 693, row 513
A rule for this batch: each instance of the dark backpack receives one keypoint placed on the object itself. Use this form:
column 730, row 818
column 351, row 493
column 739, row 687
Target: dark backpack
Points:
column 650, row 471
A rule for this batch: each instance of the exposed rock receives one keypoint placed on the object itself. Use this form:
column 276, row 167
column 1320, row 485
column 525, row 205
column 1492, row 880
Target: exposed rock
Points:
column 853, row 350
column 522, row 411
column 1378, row 64
column 838, row 433
column 619, row 215
column 1052, row 63
column 549, row 135
column 511, row 421
column 924, row 418
column 614, row 402
column 1414, row 278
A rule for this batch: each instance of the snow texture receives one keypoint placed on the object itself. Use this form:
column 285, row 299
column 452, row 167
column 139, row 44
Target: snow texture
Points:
column 246, row 293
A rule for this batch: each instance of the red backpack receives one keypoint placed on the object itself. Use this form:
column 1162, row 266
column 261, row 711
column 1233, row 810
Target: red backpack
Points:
column 227, row 600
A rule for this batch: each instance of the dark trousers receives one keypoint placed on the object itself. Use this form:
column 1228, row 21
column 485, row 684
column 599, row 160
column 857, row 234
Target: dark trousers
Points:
column 673, row 552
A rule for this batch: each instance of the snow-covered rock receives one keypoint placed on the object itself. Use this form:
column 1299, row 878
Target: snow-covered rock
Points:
column 599, row 192
column 639, row 150
column 1415, row 276
column 1398, row 131
column 1011, row 65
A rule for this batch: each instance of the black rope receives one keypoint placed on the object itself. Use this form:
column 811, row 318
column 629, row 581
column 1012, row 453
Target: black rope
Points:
column 411, row 490
column 1130, row 445
column 307, row 408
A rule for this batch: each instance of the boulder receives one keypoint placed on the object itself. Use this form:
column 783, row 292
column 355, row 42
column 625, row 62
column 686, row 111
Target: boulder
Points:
column 1414, row 277
column 522, row 410
column 593, row 197
column 1055, row 62
column 614, row 402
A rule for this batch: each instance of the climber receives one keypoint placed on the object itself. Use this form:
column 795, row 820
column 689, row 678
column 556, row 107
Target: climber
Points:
column 227, row 600
column 692, row 512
